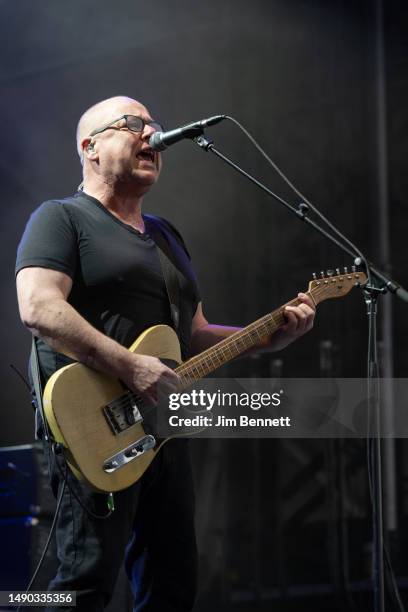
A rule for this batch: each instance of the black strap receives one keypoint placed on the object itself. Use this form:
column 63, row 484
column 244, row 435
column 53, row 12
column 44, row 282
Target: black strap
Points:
column 169, row 271
column 36, row 378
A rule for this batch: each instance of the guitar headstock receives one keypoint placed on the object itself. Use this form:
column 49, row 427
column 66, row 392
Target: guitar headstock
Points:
column 331, row 285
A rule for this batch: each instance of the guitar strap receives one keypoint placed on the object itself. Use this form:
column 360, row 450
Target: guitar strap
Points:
column 169, row 272
column 36, row 378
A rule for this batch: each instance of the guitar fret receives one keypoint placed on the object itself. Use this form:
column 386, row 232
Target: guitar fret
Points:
column 201, row 369
column 278, row 318
column 254, row 338
column 183, row 380
column 223, row 353
column 213, row 360
column 241, row 346
column 195, row 371
column 218, row 358
column 265, row 329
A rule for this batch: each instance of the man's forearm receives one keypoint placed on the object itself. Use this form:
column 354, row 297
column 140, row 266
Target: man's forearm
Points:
column 67, row 332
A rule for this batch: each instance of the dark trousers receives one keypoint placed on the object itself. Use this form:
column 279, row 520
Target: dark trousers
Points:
column 152, row 528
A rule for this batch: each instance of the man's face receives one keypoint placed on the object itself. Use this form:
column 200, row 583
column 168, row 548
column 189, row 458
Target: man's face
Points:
column 124, row 156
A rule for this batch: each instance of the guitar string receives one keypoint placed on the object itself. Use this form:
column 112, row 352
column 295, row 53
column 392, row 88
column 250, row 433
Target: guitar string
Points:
column 317, row 290
column 188, row 365
column 201, row 361
column 238, row 336
column 231, row 341
column 126, row 398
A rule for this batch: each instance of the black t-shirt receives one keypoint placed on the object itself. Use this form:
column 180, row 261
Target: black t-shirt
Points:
column 118, row 284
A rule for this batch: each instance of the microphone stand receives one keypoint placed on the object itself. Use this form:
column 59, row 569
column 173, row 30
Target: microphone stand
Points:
column 377, row 283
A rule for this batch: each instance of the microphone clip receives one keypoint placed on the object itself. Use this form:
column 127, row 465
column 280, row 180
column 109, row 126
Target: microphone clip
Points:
column 203, row 142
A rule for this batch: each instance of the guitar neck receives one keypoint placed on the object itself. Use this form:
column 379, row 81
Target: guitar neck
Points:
column 229, row 348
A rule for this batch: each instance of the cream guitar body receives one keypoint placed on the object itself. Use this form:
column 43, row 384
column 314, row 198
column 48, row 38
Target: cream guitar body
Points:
column 74, row 401
column 105, row 429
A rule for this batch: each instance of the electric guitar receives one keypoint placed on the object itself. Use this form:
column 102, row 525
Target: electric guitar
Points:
column 98, row 420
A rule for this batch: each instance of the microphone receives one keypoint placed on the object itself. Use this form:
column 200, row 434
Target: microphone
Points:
column 161, row 140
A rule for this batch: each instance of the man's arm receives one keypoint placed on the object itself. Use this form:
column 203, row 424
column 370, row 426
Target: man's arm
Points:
column 44, row 309
column 299, row 321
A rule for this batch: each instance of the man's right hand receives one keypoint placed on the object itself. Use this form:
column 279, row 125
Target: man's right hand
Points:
column 149, row 377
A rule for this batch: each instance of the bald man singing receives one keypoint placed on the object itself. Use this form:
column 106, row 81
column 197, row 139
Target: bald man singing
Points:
column 89, row 281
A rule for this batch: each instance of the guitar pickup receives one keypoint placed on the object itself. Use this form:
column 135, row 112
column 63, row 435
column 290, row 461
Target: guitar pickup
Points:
column 129, row 454
column 122, row 413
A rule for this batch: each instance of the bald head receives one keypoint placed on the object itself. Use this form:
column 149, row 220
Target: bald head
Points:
column 117, row 157
column 101, row 113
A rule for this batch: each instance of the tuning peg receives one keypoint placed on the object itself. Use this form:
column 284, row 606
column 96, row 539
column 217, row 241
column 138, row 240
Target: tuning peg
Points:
column 345, row 270
column 353, row 268
column 314, row 276
column 338, row 271
column 330, row 272
column 322, row 273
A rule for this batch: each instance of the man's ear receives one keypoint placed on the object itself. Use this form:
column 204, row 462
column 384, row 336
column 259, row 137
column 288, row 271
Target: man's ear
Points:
column 88, row 148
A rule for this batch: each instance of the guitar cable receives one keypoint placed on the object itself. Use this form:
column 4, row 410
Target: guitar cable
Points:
column 57, row 450
column 51, row 532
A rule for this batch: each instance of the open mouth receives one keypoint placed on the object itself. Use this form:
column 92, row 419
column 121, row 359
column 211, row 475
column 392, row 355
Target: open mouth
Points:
column 146, row 155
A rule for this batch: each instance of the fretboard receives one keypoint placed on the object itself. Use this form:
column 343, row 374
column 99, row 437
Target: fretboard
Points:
column 229, row 348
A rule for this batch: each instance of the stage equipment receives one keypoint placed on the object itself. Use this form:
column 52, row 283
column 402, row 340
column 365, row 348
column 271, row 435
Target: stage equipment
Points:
column 378, row 283
column 26, row 511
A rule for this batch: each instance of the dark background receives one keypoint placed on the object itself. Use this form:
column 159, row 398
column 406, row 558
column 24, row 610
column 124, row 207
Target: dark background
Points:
column 310, row 80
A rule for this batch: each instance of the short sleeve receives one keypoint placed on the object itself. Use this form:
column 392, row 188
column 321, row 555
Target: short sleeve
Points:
column 49, row 240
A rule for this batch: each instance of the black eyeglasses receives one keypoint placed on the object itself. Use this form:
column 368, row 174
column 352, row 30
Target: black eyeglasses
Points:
column 133, row 123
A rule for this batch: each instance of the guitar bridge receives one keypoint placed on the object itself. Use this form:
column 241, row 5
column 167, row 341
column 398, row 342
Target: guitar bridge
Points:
column 129, row 454
column 122, row 413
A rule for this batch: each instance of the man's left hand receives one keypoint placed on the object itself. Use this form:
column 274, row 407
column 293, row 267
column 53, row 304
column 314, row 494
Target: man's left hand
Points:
column 299, row 320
